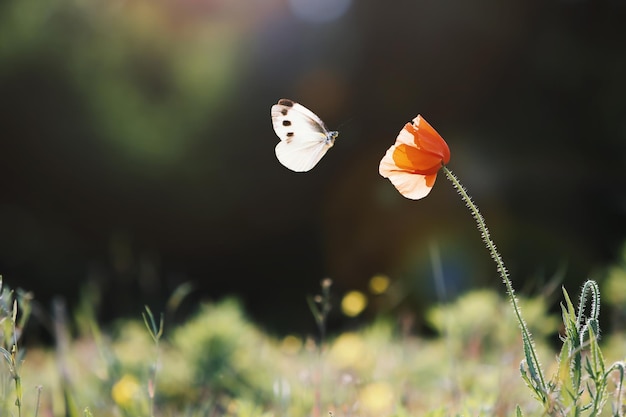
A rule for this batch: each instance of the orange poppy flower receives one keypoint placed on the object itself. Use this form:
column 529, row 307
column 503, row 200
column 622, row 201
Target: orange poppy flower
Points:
column 411, row 164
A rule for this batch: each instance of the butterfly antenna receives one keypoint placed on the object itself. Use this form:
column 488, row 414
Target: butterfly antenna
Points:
column 345, row 123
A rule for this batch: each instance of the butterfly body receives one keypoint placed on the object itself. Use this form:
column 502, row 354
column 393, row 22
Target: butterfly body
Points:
column 304, row 138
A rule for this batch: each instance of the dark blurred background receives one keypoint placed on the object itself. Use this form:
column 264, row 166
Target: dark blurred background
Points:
column 137, row 147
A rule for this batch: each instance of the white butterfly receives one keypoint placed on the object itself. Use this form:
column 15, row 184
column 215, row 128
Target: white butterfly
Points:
column 304, row 138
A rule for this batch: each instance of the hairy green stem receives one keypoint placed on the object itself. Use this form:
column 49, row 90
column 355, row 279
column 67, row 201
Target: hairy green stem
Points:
column 495, row 255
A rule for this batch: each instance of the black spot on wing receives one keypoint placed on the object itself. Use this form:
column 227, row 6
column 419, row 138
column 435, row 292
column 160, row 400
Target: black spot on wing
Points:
column 286, row 102
column 286, row 123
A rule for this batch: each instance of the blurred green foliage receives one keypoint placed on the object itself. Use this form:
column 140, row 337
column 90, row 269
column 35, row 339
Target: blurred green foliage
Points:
column 227, row 354
column 146, row 84
column 479, row 322
column 218, row 363
column 614, row 285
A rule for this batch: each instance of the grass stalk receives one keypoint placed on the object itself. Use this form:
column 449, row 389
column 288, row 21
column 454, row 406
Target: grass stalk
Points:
column 320, row 308
column 155, row 332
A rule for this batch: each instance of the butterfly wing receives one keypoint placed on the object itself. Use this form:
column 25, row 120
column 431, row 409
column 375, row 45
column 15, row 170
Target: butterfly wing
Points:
column 304, row 139
column 300, row 156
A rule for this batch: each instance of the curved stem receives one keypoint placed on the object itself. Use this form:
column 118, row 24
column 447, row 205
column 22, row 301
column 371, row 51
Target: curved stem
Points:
column 495, row 255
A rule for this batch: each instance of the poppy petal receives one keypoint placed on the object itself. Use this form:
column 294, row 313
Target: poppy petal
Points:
column 428, row 140
column 414, row 160
column 409, row 184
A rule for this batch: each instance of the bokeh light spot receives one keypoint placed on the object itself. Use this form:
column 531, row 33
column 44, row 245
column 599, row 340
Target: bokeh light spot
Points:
column 319, row 11
column 376, row 398
column 379, row 284
column 291, row 344
column 353, row 303
column 348, row 351
column 125, row 390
